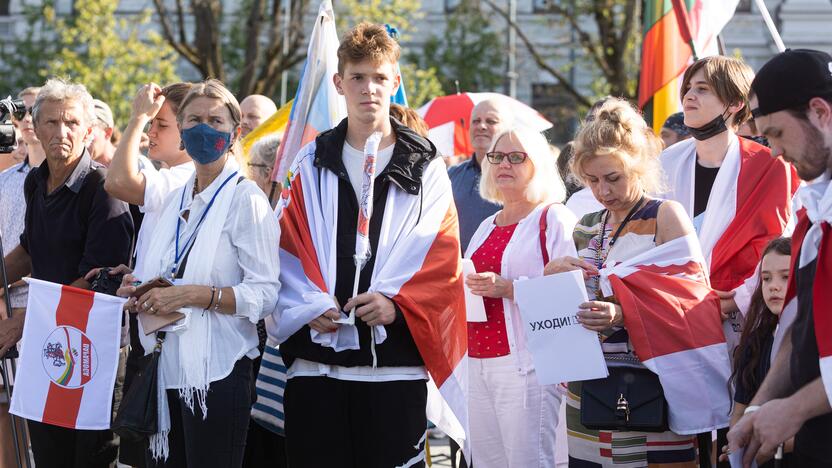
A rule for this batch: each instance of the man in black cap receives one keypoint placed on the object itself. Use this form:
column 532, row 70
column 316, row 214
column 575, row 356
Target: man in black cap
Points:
column 674, row 129
column 792, row 107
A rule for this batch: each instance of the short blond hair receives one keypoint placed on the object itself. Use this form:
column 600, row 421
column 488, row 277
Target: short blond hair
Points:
column 730, row 79
column 367, row 41
column 619, row 130
column 545, row 185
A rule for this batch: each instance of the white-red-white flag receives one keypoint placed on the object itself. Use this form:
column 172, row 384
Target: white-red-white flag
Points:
column 68, row 357
column 672, row 317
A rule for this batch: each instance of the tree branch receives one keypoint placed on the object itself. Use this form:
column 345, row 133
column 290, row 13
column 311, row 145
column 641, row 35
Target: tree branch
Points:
column 181, row 48
column 248, row 74
column 538, row 58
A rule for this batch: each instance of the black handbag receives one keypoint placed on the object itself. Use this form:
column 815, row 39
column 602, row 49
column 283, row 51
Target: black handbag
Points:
column 137, row 417
column 630, row 399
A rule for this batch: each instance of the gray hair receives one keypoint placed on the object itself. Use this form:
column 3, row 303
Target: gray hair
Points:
column 59, row 89
column 265, row 149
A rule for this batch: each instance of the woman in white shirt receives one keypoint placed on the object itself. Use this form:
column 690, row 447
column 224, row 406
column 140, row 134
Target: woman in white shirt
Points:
column 138, row 183
column 512, row 417
column 217, row 240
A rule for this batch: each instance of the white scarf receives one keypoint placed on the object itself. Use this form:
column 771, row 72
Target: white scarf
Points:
column 195, row 333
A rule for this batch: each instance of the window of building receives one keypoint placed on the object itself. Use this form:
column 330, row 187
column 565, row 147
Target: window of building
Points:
column 4, row 7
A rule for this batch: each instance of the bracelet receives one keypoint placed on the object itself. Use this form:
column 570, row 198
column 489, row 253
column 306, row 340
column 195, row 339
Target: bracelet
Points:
column 751, row 409
column 213, row 291
column 219, row 299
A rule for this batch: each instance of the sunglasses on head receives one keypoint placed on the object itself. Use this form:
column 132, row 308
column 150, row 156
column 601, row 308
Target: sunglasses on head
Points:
column 514, row 157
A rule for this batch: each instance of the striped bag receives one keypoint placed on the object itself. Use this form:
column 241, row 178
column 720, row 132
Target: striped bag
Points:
column 270, row 384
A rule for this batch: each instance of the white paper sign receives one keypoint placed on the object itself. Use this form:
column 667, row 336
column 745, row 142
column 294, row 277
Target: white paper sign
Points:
column 473, row 303
column 562, row 349
column 735, row 459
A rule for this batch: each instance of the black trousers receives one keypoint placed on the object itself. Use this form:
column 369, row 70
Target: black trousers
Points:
column 347, row 424
column 59, row 447
column 220, row 439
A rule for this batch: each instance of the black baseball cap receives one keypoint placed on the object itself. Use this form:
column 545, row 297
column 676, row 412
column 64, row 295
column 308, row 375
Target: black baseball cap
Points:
column 791, row 79
column 676, row 122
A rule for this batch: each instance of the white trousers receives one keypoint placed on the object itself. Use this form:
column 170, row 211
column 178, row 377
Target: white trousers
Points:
column 513, row 419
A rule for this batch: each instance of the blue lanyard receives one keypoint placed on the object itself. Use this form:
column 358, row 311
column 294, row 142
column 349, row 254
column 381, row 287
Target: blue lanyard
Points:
column 179, row 254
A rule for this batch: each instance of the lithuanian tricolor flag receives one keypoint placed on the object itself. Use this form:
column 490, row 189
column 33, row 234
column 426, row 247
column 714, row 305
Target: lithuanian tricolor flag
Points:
column 676, row 31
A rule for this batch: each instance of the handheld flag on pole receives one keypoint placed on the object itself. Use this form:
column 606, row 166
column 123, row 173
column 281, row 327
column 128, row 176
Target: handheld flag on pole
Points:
column 69, row 357
column 676, row 33
column 317, row 105
column 400, row 97
column 365, row 212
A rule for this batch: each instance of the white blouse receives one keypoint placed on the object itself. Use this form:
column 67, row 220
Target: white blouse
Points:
column 523, row 258
column 246, row 260
column 158, row 185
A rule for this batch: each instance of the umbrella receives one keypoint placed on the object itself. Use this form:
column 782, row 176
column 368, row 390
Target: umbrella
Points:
column 448, row 118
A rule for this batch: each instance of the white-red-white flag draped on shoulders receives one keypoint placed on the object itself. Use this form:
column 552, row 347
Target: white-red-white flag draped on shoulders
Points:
column 672, row 317
column 417, row 265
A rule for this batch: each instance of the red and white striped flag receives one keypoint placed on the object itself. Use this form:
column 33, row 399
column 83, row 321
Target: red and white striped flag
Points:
column 417, row 265
column 672, row 317
column 69, row 357
column 812, row 242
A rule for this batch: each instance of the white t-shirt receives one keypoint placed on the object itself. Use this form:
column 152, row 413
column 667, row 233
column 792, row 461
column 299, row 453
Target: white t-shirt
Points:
column 354, row 163
column 158, row 186
column 583, row 202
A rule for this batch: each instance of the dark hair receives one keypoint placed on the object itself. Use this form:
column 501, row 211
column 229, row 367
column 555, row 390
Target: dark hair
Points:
column 759, row 325
column 175, row 93
column 571, row 182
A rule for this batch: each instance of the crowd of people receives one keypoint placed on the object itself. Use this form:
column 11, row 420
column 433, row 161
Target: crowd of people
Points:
column 273, row 296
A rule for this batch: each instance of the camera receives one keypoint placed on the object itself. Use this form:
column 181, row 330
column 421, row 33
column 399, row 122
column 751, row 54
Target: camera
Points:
column 10, row 107
column 106, row 282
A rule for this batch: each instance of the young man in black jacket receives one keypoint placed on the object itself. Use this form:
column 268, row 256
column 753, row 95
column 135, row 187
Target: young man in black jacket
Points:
column 357, row 393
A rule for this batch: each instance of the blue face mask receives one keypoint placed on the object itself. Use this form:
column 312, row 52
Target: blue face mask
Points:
column 205, row 144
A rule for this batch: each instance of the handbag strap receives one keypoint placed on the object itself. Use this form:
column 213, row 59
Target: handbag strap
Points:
column 544, row 224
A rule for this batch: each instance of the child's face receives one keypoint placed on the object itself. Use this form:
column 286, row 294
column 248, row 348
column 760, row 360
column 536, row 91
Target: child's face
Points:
column 367, row 87
column 774, row 276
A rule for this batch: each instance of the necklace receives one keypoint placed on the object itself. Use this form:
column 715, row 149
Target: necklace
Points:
column 600, row 258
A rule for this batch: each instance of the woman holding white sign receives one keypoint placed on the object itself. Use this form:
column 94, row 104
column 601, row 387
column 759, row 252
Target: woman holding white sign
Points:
column 512, row 417
column 616, row 156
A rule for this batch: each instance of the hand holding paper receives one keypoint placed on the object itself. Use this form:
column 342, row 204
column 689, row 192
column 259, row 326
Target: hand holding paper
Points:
column 473, row 304
column 562, row 349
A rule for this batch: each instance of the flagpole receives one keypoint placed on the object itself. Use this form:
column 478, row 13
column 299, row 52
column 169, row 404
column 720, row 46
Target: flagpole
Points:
column 8, row 362
column 772, row 28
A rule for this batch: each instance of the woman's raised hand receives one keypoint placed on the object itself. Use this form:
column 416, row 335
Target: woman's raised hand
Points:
column 562, row 264
column 148, row 101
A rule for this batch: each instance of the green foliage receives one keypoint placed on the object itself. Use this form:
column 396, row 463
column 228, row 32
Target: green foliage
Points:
column 469, row 52
column 399, row 14
column 111, row 57
column 421, row 85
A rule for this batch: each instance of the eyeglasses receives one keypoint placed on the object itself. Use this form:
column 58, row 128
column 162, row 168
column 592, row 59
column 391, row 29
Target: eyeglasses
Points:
column 514, row 157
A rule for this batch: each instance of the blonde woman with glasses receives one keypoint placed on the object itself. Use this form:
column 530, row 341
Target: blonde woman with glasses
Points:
column 512, row 417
